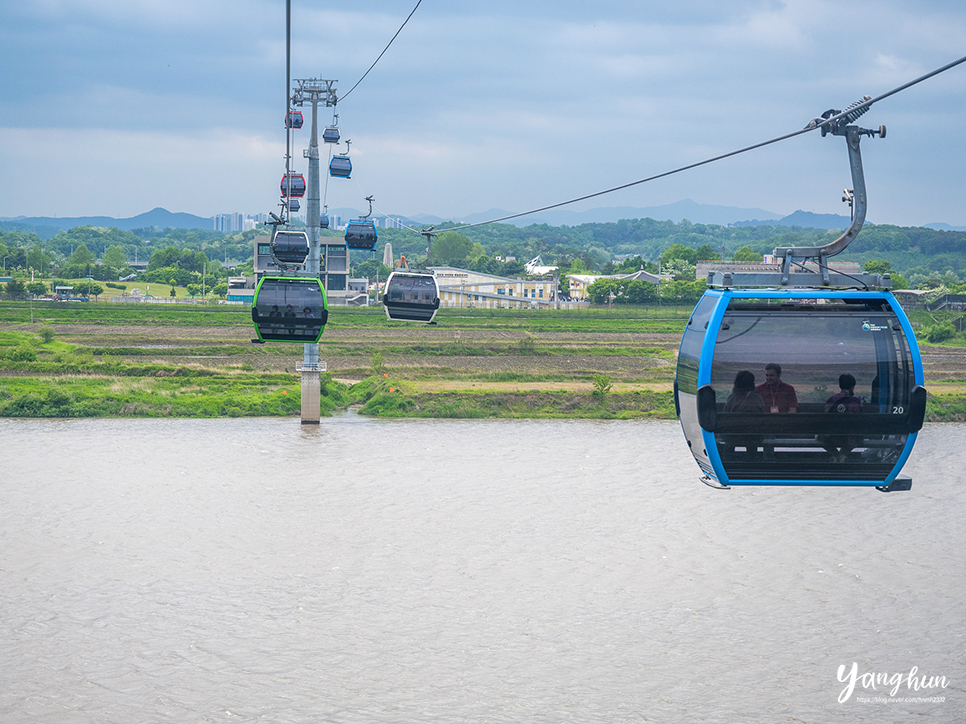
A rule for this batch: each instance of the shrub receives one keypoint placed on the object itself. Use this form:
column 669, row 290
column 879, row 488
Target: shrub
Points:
column 939, row 333
column 378, row 365
column 23, row 353
column 602, row 385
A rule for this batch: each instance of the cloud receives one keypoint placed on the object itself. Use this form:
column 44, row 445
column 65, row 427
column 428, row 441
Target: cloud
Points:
column 90, row 172
column 478, row 105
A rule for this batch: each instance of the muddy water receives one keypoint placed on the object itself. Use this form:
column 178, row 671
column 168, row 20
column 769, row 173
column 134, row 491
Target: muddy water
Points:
column 451, row 571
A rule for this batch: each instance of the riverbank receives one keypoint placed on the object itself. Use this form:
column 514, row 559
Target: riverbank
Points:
column 95, row 360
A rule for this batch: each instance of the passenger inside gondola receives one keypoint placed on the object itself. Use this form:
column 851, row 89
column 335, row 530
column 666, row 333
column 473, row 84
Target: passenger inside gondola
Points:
column 290, row 310
column 778, row 396
column 744, row 398
column 815, row 441
column 844, row 401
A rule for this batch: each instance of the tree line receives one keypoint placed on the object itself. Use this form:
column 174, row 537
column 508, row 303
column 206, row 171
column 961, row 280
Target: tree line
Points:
column 924, row 257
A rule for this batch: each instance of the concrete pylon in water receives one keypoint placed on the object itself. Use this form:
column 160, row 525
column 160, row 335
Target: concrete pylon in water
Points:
column 317, row 92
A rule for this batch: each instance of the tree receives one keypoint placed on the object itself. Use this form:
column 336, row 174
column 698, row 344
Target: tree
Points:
column 194, row 289
column 679, row 251
column 38, row 289
column 683, row 292
column 220, row 290
column 601, row 290
column 169, row 256
column 706, row 252
column 81, row 257
column 450, row 248
column 634, row 264
column 746, row 254
column 370, row 268
column 192, row 260
column 38, row 260
column 639, row 292
column 682, row 270
column 115, row 257
column 16, row 289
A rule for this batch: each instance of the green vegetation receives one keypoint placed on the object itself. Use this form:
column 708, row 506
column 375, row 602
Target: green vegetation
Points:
column 100, row 385
column 602, row 386
column 101, row 359
column 388, row 397
column 921, row 257
column 629, row 319
column 236, row 396
column 918, row 254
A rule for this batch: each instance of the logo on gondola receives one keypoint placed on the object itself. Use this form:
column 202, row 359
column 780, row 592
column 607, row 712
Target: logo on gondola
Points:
column 868, row 326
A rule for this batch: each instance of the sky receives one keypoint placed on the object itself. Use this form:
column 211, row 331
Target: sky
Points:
column 113, row 109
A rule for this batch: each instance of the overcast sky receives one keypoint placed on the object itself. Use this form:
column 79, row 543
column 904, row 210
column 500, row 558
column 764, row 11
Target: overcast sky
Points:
column 114, row 108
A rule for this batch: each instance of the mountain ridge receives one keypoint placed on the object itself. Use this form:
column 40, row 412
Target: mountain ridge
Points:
column 697, row 213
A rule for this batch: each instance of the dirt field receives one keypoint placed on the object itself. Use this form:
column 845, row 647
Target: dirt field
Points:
column 442, row 359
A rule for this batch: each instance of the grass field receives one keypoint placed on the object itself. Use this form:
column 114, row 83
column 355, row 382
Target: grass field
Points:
column 100, row 358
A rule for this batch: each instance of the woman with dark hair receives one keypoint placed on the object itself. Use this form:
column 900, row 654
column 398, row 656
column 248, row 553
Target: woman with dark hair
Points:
column 744, row 398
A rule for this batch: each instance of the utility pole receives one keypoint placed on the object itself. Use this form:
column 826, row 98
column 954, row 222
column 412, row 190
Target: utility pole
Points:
column 316, row 92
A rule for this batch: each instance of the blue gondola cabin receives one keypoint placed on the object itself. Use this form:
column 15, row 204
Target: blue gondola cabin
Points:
column 792, row 422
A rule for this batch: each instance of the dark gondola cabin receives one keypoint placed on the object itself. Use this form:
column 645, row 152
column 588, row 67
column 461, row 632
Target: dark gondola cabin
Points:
column 411, row 296
column 293, row 185
column 361, row 234
column 294, row 119
column 324, row 222
column 761, row 387
column 289, row 309
column 290, row 247
column 294, row 205
column 340, row 167
column 330, row 134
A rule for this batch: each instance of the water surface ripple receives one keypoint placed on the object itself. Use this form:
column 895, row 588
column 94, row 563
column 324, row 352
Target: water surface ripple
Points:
column 459, row 571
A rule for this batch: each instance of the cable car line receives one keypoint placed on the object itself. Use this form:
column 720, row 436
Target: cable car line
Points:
column 861, row 284
column 811, row 325
column 819, row 123
column 382, row 53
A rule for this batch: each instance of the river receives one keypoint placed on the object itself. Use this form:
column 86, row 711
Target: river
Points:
column 255, row 570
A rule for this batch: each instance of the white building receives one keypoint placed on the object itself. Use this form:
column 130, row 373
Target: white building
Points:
column 465, row 288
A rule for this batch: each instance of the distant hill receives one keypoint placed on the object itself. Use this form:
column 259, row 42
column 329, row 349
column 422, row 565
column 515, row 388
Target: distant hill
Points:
column 805, row 219
column 686, row 209
column 46, row 227
column 162, row 218
column 944, row 227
